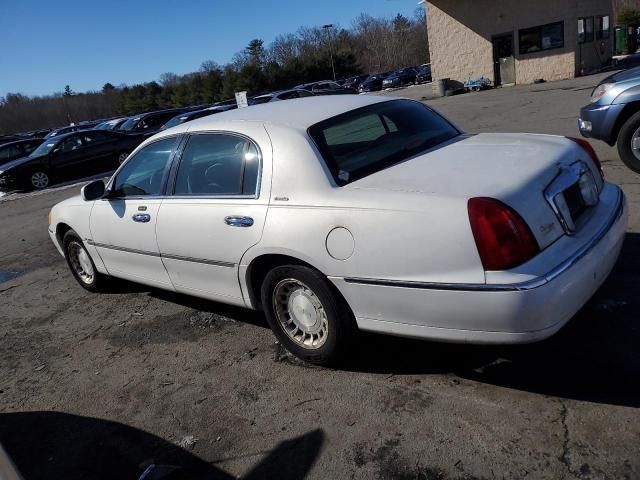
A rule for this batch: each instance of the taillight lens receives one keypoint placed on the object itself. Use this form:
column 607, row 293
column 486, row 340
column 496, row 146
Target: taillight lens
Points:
column 586, row 146
column 503, row 238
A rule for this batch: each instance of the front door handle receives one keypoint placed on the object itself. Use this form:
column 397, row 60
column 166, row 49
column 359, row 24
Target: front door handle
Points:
column 235, row 221
column 141, row 217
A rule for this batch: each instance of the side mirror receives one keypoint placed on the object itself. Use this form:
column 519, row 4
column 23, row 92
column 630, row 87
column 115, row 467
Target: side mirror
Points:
column 93, row 191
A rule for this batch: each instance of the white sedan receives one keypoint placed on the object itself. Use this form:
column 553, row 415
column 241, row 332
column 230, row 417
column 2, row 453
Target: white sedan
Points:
column 335, row 214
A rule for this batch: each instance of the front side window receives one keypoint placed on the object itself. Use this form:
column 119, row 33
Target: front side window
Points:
column 364, row 141
column 544, row 37
column 71, row 144
column 218, row 164
column 143, row 174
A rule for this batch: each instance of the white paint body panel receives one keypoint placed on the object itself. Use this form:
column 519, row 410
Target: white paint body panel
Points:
column 112, row 224
column 409, row 223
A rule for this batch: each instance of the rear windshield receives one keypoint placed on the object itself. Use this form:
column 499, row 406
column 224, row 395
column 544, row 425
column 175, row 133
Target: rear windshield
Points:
column 364, row 141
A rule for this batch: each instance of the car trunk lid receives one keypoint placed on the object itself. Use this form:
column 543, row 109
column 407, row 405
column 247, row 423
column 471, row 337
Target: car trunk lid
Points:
column 517, row 169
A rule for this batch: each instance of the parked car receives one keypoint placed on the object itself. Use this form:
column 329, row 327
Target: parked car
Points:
column 149, row 123
column 424, row 74
column 613, row 115
column 18, row 149
column 188, row 116
column 325, row 87
column 373, row 83
column 112, row 124
column 364, row 212
column 71, row 128
column 406, row 76
column 354, row 82
column 281, row 95
column 69, row 156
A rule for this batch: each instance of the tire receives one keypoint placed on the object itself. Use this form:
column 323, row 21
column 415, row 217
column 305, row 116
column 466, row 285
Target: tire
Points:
column 38, row 180
column 122, row 156
column 291, row 288
column 81, row 264
column 625, row 137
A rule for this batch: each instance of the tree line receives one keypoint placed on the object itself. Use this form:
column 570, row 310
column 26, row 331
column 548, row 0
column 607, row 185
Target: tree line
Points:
column 370, row 45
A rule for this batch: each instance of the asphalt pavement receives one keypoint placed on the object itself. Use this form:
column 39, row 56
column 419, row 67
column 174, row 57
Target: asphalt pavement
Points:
column 101, row 385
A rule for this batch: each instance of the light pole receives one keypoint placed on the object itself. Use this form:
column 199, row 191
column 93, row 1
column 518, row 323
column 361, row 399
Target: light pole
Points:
column 327, row 27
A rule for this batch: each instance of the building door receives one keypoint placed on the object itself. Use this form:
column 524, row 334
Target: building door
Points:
column 504, row 62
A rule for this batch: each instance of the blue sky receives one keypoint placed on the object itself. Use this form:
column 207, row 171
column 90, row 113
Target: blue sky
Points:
column 47, row 44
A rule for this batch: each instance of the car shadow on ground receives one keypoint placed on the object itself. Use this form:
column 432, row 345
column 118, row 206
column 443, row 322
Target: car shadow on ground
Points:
column 47, row 445
column 595, row 357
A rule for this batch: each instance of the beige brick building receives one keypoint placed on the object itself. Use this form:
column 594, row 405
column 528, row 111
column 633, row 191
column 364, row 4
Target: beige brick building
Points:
column 518, row 41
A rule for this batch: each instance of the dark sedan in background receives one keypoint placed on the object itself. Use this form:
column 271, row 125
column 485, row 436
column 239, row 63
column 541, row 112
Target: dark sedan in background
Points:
column 71, row 156
column 424, row 74
column 18, row 149
column 406, row 76
column 373, row 83
column 147, row 124
column 325, row 87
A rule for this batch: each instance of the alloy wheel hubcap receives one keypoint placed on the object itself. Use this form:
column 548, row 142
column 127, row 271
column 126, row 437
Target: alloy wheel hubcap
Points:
column 40, row 180
column 81, row 263
column 300, row 313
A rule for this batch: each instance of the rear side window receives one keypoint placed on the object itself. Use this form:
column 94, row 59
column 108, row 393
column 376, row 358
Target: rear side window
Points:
column 364, row 141
column 218, row 164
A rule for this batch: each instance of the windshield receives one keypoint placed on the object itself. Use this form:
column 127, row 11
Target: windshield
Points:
column 44, row 148
column 369, row 139
column 130, row 124
column 177, row 120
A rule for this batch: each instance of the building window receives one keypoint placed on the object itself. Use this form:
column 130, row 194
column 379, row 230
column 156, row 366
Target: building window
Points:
column 603, row 29
column 544, row 37
column 585, row 30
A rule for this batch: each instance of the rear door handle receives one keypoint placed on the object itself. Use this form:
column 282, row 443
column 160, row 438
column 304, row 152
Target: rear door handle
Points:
column 235, row 221
column 141, row 217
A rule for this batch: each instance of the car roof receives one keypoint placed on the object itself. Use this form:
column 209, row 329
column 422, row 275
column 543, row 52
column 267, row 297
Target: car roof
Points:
column 300, row 113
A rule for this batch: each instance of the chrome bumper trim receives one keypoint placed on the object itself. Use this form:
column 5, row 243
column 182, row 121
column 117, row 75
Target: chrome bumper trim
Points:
column 506, row 287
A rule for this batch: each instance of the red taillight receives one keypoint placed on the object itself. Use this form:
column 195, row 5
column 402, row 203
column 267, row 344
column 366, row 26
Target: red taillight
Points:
column 503, row 238
column 586, row 146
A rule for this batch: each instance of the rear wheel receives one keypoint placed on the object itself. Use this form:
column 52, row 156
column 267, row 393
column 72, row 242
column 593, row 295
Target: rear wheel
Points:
column 307, row 315
column 629, row 143
column 81, row 264
column 39, row 180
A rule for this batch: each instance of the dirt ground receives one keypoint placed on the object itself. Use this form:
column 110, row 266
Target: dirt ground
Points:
column 102, row 385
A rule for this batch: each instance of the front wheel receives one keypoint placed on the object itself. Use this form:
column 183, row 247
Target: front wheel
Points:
column 81, row 264
column 307, row 315
column 629, row 143
column 39, row 180
column 122, row 156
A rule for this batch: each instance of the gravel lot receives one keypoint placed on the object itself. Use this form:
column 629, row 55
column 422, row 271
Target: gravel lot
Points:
column 99, row 386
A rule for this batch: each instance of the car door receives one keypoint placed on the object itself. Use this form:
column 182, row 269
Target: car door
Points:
column 123, row 224
column 100, row 151
column 216, row 212
column 67, row 158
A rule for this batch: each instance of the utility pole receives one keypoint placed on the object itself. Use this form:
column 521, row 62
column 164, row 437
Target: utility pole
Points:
column 327, row 27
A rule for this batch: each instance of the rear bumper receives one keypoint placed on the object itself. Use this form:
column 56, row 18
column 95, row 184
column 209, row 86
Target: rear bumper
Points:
column 599, row 121
column 492, row 313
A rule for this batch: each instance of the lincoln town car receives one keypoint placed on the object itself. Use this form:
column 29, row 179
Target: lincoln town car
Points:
column 335, row 215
